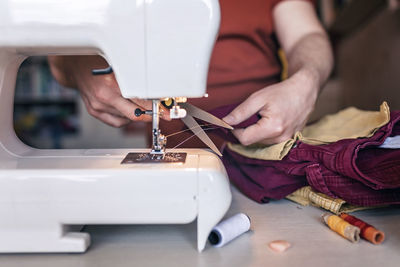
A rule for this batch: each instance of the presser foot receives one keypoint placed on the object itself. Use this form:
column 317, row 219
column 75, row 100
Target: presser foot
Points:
column 169, row 157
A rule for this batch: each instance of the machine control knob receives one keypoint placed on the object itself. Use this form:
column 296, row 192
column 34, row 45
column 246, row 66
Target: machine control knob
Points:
column 139, row 112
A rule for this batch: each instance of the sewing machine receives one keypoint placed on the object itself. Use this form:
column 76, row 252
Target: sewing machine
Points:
column 157, row 49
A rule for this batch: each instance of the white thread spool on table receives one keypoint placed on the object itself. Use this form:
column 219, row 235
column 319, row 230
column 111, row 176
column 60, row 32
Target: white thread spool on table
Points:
column 229, row 229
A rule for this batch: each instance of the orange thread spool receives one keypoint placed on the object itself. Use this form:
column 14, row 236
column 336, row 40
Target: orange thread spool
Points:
column 368, row 232
column 343, row 228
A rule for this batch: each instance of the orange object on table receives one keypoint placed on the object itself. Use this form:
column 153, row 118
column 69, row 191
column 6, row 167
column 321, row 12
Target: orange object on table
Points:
column 368, row 232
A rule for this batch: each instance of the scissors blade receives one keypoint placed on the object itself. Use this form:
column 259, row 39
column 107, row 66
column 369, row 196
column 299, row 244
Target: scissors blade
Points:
column 204, row 115
column 192, row 124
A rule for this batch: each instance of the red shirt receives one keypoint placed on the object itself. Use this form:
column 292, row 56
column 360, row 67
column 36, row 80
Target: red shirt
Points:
column 245, row 57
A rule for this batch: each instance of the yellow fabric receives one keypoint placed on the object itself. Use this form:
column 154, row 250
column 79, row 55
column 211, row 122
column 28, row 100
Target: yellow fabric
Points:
column 306, row 196
column 348, row 123
column 271, row 152
column 284, row 63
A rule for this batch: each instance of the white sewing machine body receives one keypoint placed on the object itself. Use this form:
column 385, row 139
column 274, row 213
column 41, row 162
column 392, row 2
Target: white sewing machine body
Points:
column 42, row 192
column 157, row 49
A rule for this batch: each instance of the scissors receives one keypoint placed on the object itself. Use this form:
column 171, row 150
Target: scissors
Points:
column 191, row 123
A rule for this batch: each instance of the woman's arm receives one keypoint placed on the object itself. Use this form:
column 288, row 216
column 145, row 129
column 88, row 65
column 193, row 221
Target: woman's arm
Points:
column 284, row 107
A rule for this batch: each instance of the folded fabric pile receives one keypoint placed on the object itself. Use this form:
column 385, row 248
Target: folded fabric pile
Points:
column 341, row 156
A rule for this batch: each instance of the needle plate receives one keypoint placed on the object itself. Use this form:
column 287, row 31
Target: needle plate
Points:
column 169, row 157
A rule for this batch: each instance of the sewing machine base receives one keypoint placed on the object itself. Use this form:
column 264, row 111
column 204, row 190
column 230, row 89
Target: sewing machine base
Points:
column 45, row 194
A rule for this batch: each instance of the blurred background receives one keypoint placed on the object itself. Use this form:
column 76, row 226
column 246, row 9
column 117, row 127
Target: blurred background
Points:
column 365, row 36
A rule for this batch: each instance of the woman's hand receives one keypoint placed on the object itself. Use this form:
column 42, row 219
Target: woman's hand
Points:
column 283, row 107
column 100, row 93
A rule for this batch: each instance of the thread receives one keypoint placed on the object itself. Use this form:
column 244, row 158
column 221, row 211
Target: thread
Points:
column 189, row 129
column 190, row 137
column 343, row 228
column 229, row 229
column 367, row 231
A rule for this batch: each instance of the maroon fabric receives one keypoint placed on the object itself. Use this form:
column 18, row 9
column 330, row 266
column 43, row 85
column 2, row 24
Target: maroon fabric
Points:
column 262, row 180
column 360, row 158
column 354, row 192
column 356, row 170
column 225, row 133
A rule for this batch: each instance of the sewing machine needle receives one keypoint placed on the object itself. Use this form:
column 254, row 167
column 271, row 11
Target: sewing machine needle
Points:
column 199, row 132
column 204, row 115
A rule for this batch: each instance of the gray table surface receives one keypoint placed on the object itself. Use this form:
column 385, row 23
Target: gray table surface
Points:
column 313, row 244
